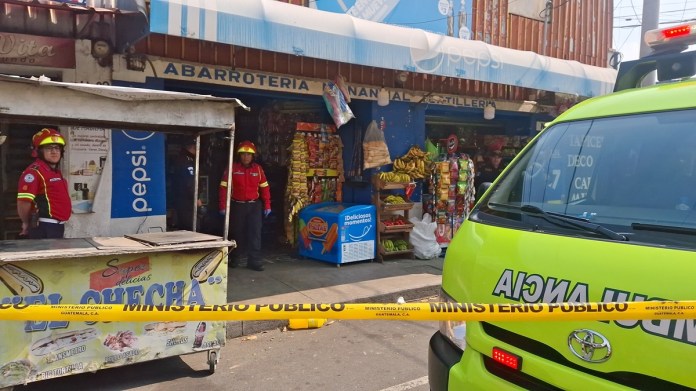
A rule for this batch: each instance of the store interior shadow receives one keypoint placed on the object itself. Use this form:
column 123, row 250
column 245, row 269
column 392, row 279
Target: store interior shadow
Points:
column 287, row 272
column 143, row 374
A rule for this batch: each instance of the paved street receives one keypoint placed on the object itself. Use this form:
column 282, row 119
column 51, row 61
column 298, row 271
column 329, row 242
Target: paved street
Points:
column 342, row 355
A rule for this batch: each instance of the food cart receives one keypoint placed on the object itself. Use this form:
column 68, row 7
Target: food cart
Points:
column 145, row 268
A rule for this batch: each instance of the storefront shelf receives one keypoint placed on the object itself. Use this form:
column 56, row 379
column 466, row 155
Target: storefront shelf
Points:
column 381, row 190
column 384, row 252
column 395, row 228
column 392, row 185
column 406, row 206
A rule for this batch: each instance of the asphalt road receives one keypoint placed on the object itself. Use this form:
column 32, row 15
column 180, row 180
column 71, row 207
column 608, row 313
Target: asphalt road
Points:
column 341, row 355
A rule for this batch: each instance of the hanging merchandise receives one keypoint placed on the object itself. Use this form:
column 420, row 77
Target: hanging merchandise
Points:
column 276, row 128
column 415, row 163
column 315, row 172
column 451, row 197
column 336, row 104
column 375, row 148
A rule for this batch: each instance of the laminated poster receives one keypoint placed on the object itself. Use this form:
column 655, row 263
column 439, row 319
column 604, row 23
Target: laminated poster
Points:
column 88, row 149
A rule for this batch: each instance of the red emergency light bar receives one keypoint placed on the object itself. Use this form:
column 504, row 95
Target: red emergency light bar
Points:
column 681, row 35
column 675, row 32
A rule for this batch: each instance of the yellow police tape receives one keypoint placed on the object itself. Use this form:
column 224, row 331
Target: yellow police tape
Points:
column 361, row 311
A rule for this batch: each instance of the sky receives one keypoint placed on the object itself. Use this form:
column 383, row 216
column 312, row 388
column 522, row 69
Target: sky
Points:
column 628, row 16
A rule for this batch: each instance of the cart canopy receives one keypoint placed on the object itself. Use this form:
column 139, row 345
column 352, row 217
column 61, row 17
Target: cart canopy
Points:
column 44, row 101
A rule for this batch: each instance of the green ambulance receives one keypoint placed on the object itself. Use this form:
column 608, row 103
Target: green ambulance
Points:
column 599, row 207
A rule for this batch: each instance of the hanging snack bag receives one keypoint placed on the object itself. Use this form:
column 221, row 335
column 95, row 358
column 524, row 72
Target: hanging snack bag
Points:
column 375, row 147
column 336, row 104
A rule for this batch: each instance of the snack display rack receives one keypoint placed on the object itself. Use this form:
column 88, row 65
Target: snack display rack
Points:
column 392, row 218
column 451, row 194
column 315, row 171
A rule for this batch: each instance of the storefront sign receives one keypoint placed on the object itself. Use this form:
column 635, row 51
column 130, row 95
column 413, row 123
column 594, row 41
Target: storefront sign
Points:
column 138, row 174
column 33, row 50
column 286, row 83
column 89, row 148
column 39, row 350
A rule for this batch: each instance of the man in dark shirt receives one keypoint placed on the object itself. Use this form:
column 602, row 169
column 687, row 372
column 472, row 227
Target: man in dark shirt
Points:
column 490, row 169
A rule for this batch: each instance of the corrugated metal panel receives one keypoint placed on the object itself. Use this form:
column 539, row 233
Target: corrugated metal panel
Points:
column 580, row 30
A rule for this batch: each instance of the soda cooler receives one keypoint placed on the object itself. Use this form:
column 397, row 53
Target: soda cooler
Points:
column 337, row 232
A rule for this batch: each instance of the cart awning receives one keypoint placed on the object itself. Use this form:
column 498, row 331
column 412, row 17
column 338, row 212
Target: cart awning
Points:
column 285, row 28
column 57, row 103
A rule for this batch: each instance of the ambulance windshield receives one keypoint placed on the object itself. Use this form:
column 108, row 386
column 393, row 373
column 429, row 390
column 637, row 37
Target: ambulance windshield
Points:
column 617, row 172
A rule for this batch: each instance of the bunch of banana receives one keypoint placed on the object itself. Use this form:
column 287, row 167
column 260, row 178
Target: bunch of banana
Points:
column 414, row 163
column 394, row 177
column 400, row 245
column 395, row 199
column 394, row 245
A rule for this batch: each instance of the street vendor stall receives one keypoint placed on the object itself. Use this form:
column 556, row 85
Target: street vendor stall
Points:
column 138, row 268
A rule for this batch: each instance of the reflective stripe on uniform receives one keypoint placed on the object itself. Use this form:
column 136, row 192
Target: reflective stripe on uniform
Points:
column 25, row 196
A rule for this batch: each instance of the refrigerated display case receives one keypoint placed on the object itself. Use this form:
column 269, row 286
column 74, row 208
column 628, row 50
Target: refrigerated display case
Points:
column 337, row 233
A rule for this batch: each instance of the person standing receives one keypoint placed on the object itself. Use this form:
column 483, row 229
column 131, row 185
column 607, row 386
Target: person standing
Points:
column 490, row 169
column 42, row 190
column 251, row 197
column 184, row 175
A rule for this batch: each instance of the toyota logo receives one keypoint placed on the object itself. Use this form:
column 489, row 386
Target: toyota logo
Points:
column 589, row 345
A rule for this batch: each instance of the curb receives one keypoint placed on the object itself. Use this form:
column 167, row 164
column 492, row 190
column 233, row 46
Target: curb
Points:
column 385, row 290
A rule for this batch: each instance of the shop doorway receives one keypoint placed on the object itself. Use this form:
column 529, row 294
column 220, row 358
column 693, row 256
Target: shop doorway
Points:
column 15, row 156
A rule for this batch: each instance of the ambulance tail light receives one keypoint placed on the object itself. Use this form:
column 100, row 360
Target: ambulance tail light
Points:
column 506, row 358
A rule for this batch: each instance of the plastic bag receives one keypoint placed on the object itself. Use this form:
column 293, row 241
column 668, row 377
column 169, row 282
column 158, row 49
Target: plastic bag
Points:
column 375, row 148
column 423, row 239
column 336, row 104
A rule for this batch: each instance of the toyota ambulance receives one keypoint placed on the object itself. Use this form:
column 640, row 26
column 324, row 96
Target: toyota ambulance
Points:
column 599, row 207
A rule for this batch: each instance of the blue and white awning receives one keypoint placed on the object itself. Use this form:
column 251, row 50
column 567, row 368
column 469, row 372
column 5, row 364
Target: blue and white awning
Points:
column 285, row 28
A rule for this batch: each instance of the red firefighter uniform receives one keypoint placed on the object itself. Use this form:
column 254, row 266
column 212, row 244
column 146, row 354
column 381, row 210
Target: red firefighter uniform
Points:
column 248, row 184
column 249, row 190
column 47, row 189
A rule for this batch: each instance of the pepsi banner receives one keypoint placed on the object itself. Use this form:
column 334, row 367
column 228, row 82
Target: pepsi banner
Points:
column 138, row 184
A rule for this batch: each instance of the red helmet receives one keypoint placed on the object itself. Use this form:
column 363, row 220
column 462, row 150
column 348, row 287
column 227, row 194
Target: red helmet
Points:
column 46, row 136
column 246, row 146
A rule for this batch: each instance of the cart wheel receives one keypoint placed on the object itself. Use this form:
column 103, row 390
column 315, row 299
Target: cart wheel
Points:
column 212, row 361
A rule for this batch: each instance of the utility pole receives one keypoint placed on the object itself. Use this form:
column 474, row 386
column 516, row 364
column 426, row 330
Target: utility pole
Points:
column 547, row 20
column 651, row 17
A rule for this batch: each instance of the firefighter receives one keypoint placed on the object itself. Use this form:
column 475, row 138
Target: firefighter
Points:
column 251, row 198
column 43, row 200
